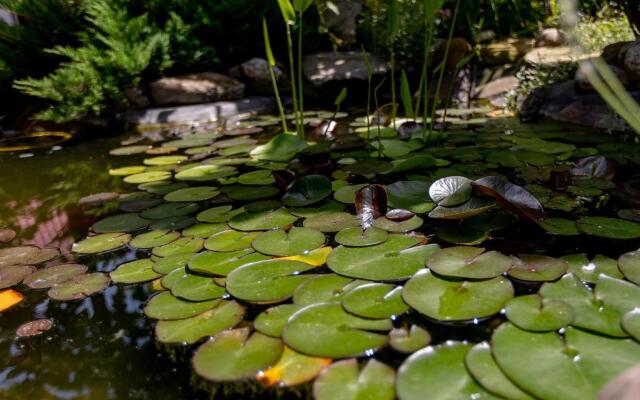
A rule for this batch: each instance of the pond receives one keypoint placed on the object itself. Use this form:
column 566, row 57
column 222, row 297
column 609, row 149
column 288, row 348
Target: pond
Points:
column 251, row 263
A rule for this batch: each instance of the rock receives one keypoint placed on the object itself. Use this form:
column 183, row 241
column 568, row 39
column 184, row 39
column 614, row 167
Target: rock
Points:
column 632, row 61
column 137, row 97
column 498, row 87
column 583, row 84
column 551, row 37
column 612, row 52
column 196, row 88
column 551, row 57
column 340, row 17
column 323, row 68
column 505, row 52
column 255, row 74
column 485, row 36
column 459, row 48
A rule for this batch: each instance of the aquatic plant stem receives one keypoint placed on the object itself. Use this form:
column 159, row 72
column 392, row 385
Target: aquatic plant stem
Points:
column 394, row 105
column 367, row 63
column 300, row 81
column 294, row 91
column 375, row 99
column 272, row 62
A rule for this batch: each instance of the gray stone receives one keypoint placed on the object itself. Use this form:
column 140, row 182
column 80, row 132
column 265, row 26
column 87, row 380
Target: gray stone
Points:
column 552, row 57
column 340, row 17
column 323, row 68
column 204, row 87
column 255, row 74
column 551, row 37
column 632, row 61
column 498, row 87
column 201, row 112
column 137, row 97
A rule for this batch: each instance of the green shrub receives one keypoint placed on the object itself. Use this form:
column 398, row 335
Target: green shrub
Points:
column 595, row 33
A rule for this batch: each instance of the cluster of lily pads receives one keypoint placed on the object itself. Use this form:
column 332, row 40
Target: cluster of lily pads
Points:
column 282, row 262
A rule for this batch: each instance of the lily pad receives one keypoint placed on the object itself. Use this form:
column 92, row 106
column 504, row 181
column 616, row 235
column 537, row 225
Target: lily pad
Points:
column 185, row 245
column 51, row 276
column 259, row 177
column 79, row 287
column 129, row 222
column 323, row 288
column 199, row 193
column 344, row 381
column 233, row 355
column 629, row 264
column 326, row 330
column 331, row 221
column 218, row 214
column 631, row 323
column 388, row 225
column 560, row 226
column 460, row 234
column 154, row 238
column 203, row 231
column 100, row 243
column 135, row 272
column 357, row 237
column 347, row 194
column 537, row 268
column 262, row 221
column 222, row 263
column 375, row 300
column 451, row 191
column 165, row 306
column 26, row 255
column 146, row 177
column 475, row 206
column 409, row 340
column 295, row 241
column 452, row 301
column 168, row 210
column 589, row 271
column 281, row 147
column 230, row 240
column 510, row 196
column 533, row 313
column 410, row 195
column 396, row 259
column 468, row 262
column 14, row 274
column 307, row 190
column 612, row 228
column 251, row 192
column 272, row 320
column 197, row 288
column 205, row 173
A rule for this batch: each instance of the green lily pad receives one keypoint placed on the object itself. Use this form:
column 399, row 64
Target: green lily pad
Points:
column 128, row 150
column 343, row 380
column 494, row 221
column 409, row 340
column 26, row 255
column 14, row 274
column 251, row 192
column 218, row 214
column 281, row 147
column 331, row 221
column 173, row 277
column 439, row 372
column 272, row 320
column 281, row 243
column 396, row 259
column 165, row 306
column 629, row 264
column 307, row 190
column 612, row 228
column 222, row 263
column 205, row 173
column 306, row 212
column 375, row 300
column 410, row 195
column 560, row 226
column 146, row 177
column 51, row 276
column 267, row 281
column 485, row 370
column 450, row 191
column 323, row 288
column 168, row 210
column 197, row 288
column 262, row 221
column 165, row 160
column 469, row 263
column 199, row 193
column 225, row 315
column 589, row 271
column 388, row 225
column 185, row 245
column 631, row 323
column 537, row 268
column 326, row 330
column 161, row 187
column 475, row 206
column 154, row 238
column 204, row 231
column 233, row 355
column 357, row 237
column 259, row 177
column 292, row 369
column 173, row 223
column 128, row 170
column 347, row 194
column 448, row 300
column 230, row 240
column 121, row 223
column 459, row 234
column 137, row 271
column 79, row 287
column 100, row 243
column 533, row 313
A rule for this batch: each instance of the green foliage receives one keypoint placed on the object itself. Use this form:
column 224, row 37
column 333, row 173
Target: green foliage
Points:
column 594, row 34
column 114, row 54
column 531, row 78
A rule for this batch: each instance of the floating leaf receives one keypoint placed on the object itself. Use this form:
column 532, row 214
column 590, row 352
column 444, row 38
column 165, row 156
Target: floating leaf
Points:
column 342, row 380
column 135, row 272
column 323, row 288
column 222, row 263
column 307, row 190
column 612, row 228
column 560, row 226
column 203, row 231
column 410, row 195
column 331, row 221
column 281, row 147
column 537, row 268
column 230, row 240
column 79, row 287
column 14, row 274
column 315, row 257
column 589, row 271
column 265, row 220
column 629, row 264
column 272, row 320
column 473, row 207
column 197, row 288
column 375, row 300
column 511, row 197
column 459, row 234
column 51, row 276
column 357, row 237
column 347, row 194
column 146, row 177
column 205, row 173
column 631, row 323
column 168, row 210
column 281, row 243
column 451, row 191
column 199, row 193
column 101, row 243
column 155, row 238
column 292, row 369
column 409, row 340
column 533, row 313
column 165, row 306
column 26, row 255
column 185, row 245
column 121, row 223
column 468, row 262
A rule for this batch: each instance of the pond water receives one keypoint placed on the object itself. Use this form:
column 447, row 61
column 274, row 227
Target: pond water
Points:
column 103, row 346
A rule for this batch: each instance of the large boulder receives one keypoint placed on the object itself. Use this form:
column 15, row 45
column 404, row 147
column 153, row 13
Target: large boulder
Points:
column 255, row 74
column 552, row 57
column 329, row 67
column 632, row 61
column 584, row 85
column 341, row 19
column 199, row 88
column 551, row 37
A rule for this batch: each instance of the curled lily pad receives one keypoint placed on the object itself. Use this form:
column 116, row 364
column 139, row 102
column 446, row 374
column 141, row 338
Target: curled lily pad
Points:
column 199, row 193
column 399, row 215
column 375, row 300
column 295, row 241
column 222, row 263
column 594, row 167
column 371, row 203
column 450, row 191
column 449, row 300
column 292, row 369
column 26, row 255
column 344, row 381
column 396, row 259
column 612, row 228
column 272, row 320
column 409, row 340
column 398, row 227
column 326, row 330
column 197, row 288
column 34, row 328
column 185, row 245
column 129, row 222
column 135, row 272
column 14, row 274
column 537, row 268
column 629, row 264
column 323, row 288
column 51, row 276
column 590, row 270
column 468, row 262
column 331, row 221
column 260, row 221
column 357, row 237
column 230, row 240
column 511, row 197
column 79, row 287
column 233, row 355
column 101, row 243
column 225, row 315
column 475, row 206
column 168, row 210
column 165, row 306
column 485, row 370
column 267, row 281
column 533, row 313
column 307, row 190
column 154, row 238
column 438, row 371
